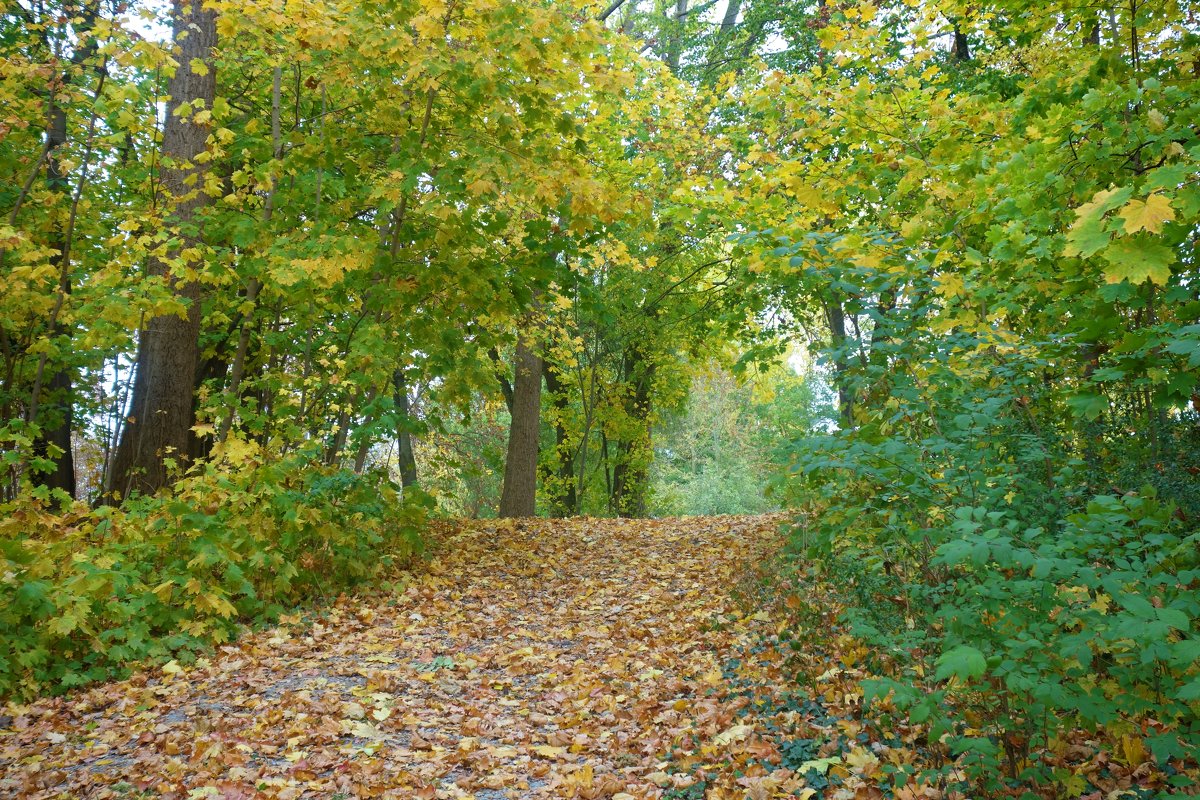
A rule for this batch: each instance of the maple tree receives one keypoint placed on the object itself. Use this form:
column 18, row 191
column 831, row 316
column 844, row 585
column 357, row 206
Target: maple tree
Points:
column 283, row 281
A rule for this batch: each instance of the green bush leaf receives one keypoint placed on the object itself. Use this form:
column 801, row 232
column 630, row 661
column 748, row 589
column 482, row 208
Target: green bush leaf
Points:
column 963, row 662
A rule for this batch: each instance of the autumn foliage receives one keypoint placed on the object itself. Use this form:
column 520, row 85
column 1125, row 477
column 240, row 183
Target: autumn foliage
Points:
column 281, row 283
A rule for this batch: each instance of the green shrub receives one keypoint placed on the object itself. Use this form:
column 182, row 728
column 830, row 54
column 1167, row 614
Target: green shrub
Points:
column 1007, row 602
column 85, row 593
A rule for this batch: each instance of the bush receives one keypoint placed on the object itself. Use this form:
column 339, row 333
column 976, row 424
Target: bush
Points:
column 1007, row 602
column 726, row 488
column 86, row 593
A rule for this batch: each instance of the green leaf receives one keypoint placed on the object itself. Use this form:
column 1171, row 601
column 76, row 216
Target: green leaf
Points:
column 1088, row 235
column 1137, row 260
column 1088, row 406
column 1187, row 343
column 1138, row 606
column 1189, row 691
column 1175, row 618
column 1087, row 238
column 963, row 662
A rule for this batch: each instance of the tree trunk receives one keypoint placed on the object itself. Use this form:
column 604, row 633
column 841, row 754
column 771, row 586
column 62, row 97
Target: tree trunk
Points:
column 676, row 41
column 364, row 442
column 61, row 387
column 333, row 453
column 506, row 387
column 729, row 21
column 519, row 495
column 836, row 317
column 163, row 405
column 61, row 384
column 562, row 491
column 962, row 48
column 360, row 458
column 631, row 473
column 406, row 460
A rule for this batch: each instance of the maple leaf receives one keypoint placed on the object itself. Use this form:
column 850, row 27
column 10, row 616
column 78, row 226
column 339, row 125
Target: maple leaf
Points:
column 1137, row 261
column 1147, row 215
column 820, row 765
column 1088, row 234
column 734, row 734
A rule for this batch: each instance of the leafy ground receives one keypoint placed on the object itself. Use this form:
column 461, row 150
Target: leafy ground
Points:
column 589, row 658
column 594, row 659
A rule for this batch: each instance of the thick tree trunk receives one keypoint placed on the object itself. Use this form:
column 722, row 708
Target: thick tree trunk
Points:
column 59, row 436
column 729, row 21
column 162, row 408
column 518, row 497
column 962, row 48
column 406, row 460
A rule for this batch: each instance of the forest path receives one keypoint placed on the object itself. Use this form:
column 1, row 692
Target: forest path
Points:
column 535, row 659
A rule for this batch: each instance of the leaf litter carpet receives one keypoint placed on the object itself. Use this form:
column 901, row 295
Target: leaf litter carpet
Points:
column 536, row 659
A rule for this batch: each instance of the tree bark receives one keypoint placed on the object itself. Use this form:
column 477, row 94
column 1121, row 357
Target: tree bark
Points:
column 729, row 21
column 518, row 498
column 406, row 459
column 506, row 387
column 61, row 384
column 162, row 409
column 333, row 452
column 61, row 387
column 364, row 442
column 676, row 41
column 962, row 48
column 563, row 494
column 631, row 474
column 836, row 317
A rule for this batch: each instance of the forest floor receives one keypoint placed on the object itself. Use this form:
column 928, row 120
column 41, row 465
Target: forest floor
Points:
column 531, row 659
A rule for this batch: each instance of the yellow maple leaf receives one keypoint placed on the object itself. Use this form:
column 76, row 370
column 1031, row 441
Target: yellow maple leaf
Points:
column 481, row 186
column 950, row 285
column 1147, row 215
column 861, row 759
column 734, row 734
column 1133, row 750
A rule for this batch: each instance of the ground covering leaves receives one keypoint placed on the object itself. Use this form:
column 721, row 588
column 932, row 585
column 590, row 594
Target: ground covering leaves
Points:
column 528, row 659
column 616, row 659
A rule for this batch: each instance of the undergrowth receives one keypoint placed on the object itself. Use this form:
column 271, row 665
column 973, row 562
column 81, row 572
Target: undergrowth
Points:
column 1025, row 581
column 86, row 593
